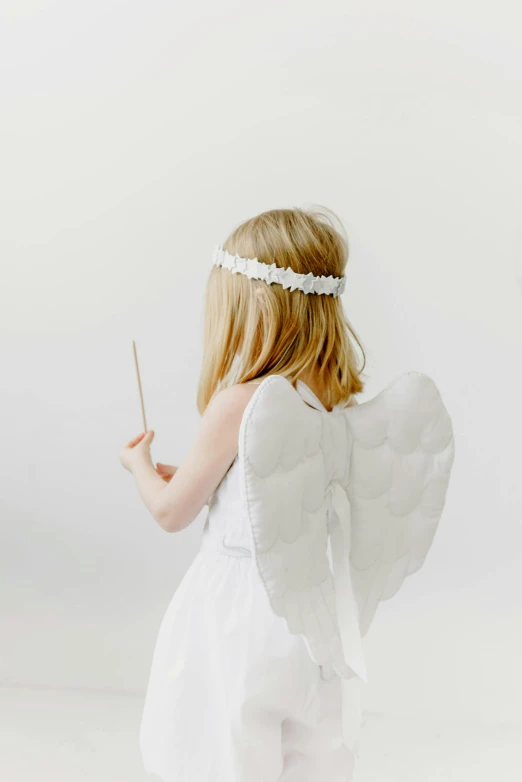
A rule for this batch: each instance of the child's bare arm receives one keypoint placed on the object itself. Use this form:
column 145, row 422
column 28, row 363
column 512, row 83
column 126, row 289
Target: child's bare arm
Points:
column 214, row 450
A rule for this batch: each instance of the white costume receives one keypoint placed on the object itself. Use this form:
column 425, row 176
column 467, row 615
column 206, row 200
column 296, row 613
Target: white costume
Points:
column 256, row 670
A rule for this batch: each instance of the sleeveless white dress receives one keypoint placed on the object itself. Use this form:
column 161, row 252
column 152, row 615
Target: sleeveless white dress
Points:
column 232, row 695
column 258, row 663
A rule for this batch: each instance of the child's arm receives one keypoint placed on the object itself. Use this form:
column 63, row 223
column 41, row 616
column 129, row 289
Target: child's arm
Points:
column 176, row 504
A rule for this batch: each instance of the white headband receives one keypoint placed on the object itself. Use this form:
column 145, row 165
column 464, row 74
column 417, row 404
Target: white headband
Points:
column 270, row 273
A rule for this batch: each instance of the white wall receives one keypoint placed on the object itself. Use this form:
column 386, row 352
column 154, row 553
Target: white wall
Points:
column 134, row 137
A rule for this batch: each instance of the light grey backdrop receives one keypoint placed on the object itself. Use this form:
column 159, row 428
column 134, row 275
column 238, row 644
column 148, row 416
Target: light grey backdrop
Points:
column 135, row 136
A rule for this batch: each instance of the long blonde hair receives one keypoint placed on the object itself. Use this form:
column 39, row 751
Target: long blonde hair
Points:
column 252, row 329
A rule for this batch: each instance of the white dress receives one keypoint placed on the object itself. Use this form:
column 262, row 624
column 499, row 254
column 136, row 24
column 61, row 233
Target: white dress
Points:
column 256, row 669
column 232, row 695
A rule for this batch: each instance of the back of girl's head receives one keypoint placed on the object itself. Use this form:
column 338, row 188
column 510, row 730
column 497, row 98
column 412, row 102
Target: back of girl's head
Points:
column 253, row 329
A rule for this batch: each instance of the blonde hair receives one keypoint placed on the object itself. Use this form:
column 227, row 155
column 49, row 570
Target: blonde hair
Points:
column 252, row 329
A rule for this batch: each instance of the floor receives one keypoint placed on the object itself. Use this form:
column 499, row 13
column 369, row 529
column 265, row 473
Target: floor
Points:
column 72, row 736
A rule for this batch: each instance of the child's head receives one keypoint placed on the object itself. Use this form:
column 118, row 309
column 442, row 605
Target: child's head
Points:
column 254, row 329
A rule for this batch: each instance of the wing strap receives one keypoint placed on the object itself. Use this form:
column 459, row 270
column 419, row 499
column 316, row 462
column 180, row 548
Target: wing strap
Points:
column 347, row 613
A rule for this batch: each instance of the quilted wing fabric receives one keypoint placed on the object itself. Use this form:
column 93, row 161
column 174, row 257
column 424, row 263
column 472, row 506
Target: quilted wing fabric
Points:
column 292, row 457
column 402, row 453
column 371, row 480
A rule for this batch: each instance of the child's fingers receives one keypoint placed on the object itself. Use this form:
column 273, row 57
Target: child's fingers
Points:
column 166, row 468
column 135, row 440
column 162, row 474
column 165, row 471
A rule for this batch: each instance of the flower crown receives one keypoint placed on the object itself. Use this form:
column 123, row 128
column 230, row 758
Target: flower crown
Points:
column 270, row 273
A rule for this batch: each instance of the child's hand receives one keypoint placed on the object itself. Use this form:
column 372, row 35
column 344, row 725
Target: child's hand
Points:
column 138, row 448
column 165, row 471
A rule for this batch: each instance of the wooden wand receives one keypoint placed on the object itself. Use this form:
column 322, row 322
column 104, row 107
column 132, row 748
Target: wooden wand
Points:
column 139, row 387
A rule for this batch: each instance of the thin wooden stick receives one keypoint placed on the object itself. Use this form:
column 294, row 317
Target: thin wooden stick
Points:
column 139, row 387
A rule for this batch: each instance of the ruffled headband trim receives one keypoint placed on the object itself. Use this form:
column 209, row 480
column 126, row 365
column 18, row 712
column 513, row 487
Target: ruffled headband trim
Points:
column 271, row 273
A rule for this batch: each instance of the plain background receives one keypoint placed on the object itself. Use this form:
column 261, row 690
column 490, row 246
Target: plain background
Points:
column 134, row 137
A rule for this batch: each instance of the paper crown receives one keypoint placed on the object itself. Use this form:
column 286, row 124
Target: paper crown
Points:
column 271, row 273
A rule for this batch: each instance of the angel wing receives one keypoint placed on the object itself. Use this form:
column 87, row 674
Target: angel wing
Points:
column 402, row 453
column 392, row 456
column 283, row 479
column 371, row 480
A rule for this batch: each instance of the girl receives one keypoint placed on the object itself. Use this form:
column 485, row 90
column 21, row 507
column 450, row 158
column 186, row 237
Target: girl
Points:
column 255, row 665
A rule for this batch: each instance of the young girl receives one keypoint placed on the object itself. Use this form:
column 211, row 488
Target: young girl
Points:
column 257, row 663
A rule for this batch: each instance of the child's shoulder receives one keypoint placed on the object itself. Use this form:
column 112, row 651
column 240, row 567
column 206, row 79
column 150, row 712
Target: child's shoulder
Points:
column 229, row 404
column 222, row 418
column 235, row 395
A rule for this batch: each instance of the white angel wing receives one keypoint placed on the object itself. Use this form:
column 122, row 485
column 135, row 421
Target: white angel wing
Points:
column 283, row 479
column 371, row 478
column 401, row 458
column 392, row 455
